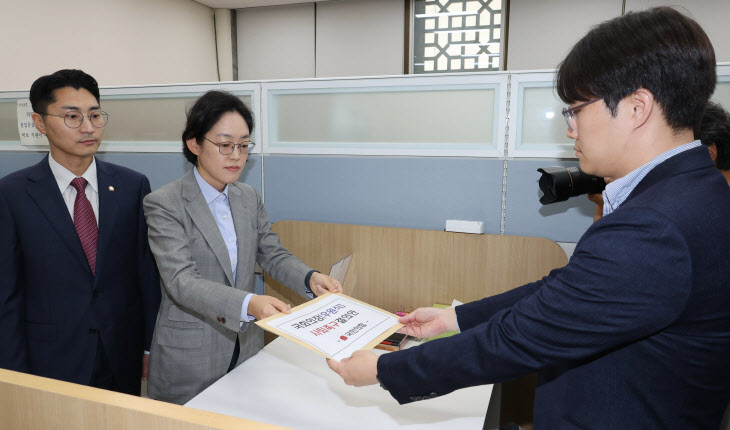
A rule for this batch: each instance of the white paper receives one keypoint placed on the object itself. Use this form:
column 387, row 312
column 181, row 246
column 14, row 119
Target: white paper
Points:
column 29, row 135
column 335, row 325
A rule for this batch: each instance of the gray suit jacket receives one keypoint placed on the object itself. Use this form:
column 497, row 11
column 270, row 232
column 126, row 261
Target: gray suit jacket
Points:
column 200, row 310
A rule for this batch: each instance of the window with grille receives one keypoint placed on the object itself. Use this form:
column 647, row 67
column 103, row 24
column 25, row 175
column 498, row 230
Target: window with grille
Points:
column 457, row 35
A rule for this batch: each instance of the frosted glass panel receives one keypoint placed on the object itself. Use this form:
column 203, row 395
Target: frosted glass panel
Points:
column 454, row 117
column 540, row 121
column 722, row 93
column 153, row 119
column 137, row 122
column 8, row 120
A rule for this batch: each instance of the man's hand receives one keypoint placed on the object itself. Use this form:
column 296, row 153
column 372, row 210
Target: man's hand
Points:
column 429, row 322
column 265, row 306
column 597, row 198
column 320, row 284
column 145, row 365
column 359, row 370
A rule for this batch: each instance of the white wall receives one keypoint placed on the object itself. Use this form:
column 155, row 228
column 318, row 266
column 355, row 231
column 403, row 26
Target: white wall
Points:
column 366, row 37
column 172, row 41
column 119, row 42
column 276, row 42
column 542, row 32
column 712, row 15
column 338, row 38
column 360, row 38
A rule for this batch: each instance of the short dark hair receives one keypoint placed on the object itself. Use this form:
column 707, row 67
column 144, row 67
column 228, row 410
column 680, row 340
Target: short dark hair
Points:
column 205, row 113
column 658, row 49
column 41, row 92
column 715, row 128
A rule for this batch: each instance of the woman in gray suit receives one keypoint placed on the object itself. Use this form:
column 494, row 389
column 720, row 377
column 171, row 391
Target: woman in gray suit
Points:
column 207, row 231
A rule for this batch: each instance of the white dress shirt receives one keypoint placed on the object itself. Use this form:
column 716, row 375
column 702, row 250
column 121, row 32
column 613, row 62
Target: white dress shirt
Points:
column 68, row 192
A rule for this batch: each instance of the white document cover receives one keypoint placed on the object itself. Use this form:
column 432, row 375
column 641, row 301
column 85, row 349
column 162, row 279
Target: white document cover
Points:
column 334, row 325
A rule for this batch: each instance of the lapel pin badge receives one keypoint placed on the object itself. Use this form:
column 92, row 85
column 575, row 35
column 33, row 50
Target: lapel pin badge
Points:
column 111, row 188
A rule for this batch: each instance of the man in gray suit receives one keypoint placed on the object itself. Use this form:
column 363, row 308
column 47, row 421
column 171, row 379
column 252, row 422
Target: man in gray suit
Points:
column 207, row 231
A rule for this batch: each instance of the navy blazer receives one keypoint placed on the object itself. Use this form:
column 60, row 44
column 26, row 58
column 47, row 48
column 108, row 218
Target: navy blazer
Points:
column 634, row 333
column 53, row 310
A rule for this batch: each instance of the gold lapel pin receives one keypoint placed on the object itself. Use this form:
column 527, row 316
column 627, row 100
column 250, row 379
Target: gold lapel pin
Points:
column 111, row 188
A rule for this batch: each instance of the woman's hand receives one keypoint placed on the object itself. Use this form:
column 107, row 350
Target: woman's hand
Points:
column 320, row 284
column 261, row 307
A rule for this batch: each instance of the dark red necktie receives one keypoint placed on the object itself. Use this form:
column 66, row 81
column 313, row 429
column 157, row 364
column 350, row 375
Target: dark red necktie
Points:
column 85, row 222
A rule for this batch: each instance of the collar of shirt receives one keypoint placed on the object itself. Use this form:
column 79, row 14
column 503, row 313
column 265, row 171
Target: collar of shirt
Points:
column 619, row 190
column 64, row 176
column 209, row 193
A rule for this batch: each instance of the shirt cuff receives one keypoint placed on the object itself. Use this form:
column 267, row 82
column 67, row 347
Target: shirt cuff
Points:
column 307, row 278
column 245, row 317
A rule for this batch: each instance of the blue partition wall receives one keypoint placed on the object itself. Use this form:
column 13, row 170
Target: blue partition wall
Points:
column 12, row 161
column 409, row 192
column 525, row 216
column 412, row 192
column 160, row 169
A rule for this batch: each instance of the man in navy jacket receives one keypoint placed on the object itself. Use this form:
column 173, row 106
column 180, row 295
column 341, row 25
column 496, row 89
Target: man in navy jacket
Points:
column 79, row 291
column 635, row 331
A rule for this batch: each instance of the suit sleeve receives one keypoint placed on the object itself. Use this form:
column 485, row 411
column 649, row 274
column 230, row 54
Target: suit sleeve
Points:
column 275, row 259
column 178, row 270
column 149, row 282
column 472, row 314
column 13, row 353
column 629, row 277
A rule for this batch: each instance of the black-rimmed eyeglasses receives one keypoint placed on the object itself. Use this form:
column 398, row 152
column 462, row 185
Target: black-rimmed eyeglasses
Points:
column 74, row 119
column 569, row 113
column 226, row 148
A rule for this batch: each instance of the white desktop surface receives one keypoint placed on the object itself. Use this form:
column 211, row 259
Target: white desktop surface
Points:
column 288, row 385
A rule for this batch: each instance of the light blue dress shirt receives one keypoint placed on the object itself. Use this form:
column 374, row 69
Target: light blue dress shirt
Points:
column 220, row 207
column 618, row 191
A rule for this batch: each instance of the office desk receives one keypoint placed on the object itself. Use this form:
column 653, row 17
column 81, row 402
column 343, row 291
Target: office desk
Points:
column 288, row 385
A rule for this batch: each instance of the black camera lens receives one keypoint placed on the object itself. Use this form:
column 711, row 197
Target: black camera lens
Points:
column 558, row 184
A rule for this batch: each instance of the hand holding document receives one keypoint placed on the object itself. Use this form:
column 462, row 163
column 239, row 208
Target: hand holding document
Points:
column 428, row 322
column 321, row 284
column 334, row 325
column 261, row 306
column 360, row 370
column 432, row 323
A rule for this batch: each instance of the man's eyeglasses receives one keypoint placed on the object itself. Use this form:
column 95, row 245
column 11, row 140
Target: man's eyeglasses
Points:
column 74, row 119
column 226, row 148
column 569, row 113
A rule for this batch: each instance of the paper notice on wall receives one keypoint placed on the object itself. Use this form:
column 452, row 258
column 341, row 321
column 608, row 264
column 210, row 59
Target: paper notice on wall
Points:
column 334, row 325
column 29, row 135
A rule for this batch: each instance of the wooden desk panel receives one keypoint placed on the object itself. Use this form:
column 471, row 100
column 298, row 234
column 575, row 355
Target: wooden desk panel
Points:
column 399, row 267
column 30, row 402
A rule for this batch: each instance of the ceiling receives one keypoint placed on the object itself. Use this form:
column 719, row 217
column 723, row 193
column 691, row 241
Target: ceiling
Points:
column 238, row 4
